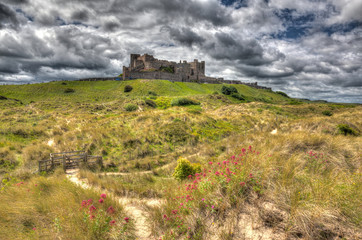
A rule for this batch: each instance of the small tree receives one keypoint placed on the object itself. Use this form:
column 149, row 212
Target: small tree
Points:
column 228, row 90
column 128, row 88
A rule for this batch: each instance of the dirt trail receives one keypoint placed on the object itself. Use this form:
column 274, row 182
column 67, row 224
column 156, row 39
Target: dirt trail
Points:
column 133, row 206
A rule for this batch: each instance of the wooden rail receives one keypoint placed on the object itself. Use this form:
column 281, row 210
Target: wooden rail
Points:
column 69, row 160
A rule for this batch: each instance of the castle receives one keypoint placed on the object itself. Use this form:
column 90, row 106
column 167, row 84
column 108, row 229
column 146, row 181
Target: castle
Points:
column 148, row 67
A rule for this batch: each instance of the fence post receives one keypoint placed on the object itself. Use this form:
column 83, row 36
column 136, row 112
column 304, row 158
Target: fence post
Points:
column 64, row 164
column 52, row 159
column 100, row 161
column 39, row 166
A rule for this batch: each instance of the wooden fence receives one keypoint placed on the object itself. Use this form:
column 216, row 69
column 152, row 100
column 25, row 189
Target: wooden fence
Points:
column 69, row 160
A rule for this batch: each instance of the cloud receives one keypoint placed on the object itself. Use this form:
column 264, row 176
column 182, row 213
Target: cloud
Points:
column 308, row 48
column 8, row 17
column 185, row 36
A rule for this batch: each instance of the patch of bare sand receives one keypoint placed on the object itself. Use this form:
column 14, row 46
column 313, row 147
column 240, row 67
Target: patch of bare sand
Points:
column 132, row 205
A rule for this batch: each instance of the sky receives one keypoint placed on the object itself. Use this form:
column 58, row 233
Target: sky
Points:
column 307, row 48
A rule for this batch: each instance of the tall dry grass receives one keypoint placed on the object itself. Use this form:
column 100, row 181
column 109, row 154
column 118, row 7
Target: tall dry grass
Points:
column 51, row 208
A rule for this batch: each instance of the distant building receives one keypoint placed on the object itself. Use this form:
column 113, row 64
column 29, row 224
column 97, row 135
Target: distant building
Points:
column 148, row 67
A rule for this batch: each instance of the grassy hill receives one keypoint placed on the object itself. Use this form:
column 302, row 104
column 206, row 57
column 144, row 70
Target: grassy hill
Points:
column 113, row 90
column 299, row 179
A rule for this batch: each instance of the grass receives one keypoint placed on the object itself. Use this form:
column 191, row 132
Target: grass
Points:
column 306, row 178
column 51, row 208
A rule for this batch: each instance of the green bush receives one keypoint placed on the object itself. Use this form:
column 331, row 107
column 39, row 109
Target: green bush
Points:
column 346, row 130
column 295, row 102
column 228, row 90
column 282, row 93
column 128, row 88
column 150, row 103
column 238, row 96
column 163, row 102
column 183, row 102
column 152, row 93
column 327, row 113
column 131, row 107
column 184, row 168
column 167, row 69
column 69, row 90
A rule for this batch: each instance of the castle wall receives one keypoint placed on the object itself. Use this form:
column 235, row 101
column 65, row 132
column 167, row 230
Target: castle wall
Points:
column 184, row 72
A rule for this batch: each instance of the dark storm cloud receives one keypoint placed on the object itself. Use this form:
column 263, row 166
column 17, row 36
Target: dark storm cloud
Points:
column 82, row 15
column 7, row 17
column 111, row 26
column 227, row 47
column 8, row 66
column 15, row 2
column 309, row 49
column 185, row 36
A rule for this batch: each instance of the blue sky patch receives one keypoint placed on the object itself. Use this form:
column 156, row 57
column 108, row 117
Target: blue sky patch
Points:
column 238, row 3
column 296, row 25
column 343, row 28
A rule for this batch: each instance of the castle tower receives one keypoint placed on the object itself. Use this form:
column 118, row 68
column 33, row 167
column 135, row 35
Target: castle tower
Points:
column 133, row 59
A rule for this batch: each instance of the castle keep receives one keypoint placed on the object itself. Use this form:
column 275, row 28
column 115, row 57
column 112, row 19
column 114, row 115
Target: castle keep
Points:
column 148, row 67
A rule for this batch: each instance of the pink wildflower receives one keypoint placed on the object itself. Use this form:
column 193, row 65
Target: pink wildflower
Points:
column 103, row 195
column 112, row 222
column 92, row 208
column 126, row 219
column 110, row 210
column 101, row 200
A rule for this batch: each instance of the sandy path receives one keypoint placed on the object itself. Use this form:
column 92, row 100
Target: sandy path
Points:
column 131, row 205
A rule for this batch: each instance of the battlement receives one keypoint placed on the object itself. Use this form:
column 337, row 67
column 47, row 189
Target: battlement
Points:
column 147, row 67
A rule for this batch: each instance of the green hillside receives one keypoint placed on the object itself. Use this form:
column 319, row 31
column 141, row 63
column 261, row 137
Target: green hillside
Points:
column 110, row 90
column 180, row 160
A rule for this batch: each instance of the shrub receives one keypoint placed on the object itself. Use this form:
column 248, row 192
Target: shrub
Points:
column 64, row 83
column 131, row 107
column 128, row 88
column 163, row 102
column 183, row 102
column 238, row 96
column 184, row 169
column 150, row 103
column 282, row 93
column 346, row 130
column 228, row 90
column 175, row 132
column 295, row 102
column 69, row 90
column 327, row 113
column 152, row 93
column 167, row 69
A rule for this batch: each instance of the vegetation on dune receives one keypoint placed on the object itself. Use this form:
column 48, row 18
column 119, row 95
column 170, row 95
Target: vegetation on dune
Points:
column 218, row 163
column 51, row 208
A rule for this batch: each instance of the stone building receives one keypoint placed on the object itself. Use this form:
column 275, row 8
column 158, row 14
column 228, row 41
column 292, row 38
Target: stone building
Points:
column 148, row 67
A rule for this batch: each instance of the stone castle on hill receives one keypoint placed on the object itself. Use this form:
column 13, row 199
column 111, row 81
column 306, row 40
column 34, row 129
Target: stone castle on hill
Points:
column 148, row 67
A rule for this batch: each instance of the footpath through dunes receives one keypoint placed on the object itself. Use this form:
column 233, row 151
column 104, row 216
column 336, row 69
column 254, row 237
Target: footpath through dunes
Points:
column 133, row 206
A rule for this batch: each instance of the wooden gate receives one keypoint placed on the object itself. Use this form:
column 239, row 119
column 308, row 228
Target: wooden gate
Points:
column 69, row 160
